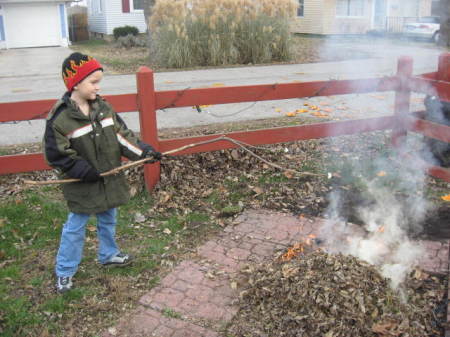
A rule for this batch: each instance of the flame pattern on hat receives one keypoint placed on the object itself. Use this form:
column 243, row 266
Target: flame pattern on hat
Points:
column 71, row 72
column 77, row 67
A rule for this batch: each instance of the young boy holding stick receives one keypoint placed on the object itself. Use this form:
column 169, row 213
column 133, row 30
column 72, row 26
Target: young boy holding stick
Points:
column 83, row 138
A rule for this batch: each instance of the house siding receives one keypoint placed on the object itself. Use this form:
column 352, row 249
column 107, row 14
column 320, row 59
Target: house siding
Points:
column 112, row 17
column 312, row 20
column 416, row 8
column 320, row 18
column 97, row 21
column 347, row 25
column 400, row 8
column 425, row 8
column 116, row 18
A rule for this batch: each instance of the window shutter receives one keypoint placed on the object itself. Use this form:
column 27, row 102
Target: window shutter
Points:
column 125, row 6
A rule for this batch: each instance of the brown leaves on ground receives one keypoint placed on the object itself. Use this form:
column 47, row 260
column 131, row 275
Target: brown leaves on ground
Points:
column 211, row 182
column 319, row 294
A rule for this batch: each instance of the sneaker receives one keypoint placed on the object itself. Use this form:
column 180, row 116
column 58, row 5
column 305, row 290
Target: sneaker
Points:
column 63, row 284
column 120, row 259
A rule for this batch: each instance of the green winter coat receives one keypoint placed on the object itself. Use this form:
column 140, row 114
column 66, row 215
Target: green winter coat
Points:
column 74, row 143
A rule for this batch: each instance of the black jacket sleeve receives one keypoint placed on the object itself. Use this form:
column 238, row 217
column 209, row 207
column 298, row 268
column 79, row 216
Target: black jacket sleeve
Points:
column 60, row 155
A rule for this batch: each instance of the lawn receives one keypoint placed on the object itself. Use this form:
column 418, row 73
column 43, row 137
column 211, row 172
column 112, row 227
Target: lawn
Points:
column 118, row 60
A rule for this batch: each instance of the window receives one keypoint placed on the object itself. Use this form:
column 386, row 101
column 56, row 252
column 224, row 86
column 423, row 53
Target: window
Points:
column 138, row 5
column 350, row 8
column 301, row 8
column 96, row 6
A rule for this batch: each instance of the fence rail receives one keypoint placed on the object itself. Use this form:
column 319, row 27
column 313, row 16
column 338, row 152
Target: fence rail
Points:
column 147, row 101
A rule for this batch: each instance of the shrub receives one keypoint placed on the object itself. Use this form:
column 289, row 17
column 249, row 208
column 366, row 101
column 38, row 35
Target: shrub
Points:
column 130, row 41
column 124, row 31
column 217, row 32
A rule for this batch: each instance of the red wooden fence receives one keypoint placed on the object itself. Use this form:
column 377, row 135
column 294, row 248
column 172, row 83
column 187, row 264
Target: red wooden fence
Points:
column 147, row 101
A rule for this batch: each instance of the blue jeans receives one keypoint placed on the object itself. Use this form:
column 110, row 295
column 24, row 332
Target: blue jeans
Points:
column 72, row 241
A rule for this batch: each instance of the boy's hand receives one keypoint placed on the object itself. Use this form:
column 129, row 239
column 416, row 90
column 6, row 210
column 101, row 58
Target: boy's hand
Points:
column 153, row 154
column 149, row 151
column 92, row 176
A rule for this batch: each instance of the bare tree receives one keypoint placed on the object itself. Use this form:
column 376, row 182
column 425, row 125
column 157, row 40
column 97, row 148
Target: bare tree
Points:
column 444, row 38
column 148, row 11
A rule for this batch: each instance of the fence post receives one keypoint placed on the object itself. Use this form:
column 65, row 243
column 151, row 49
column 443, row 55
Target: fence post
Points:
column 402, row 99
column 443, row 73
column 147, row 119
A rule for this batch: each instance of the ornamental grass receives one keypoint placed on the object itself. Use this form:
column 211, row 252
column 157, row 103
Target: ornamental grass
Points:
column 189, row 33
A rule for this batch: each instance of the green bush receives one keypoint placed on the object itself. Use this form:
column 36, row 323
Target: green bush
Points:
column 124, row 31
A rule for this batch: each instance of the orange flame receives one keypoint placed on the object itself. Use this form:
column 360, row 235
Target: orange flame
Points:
column 292, row 252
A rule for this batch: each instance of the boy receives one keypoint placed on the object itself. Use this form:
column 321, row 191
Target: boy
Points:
column 84, row 137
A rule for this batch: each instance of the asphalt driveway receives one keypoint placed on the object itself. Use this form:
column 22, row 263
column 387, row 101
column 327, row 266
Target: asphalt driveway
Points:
column 32, row 61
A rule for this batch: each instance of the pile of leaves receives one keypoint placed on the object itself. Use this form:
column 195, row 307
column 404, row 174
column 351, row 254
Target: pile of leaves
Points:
column 319, row 294
column 225, row 181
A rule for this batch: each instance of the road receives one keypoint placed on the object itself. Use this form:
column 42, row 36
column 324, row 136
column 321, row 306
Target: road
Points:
column 33, row 74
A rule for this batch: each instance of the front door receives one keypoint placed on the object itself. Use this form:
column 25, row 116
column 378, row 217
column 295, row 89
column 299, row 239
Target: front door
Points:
column 379, row 14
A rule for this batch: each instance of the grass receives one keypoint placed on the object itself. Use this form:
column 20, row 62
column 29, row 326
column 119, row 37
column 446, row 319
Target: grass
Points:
column 117, row 60
column 30, row 226
column 170, row 313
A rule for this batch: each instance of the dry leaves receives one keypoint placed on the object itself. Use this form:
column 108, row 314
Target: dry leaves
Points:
column 216, row 182
column 318, row 294
column 381, row 174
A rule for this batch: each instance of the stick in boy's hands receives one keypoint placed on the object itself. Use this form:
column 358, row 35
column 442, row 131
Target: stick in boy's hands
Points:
column 147, row 160
column 149, row 152
column 153, row 159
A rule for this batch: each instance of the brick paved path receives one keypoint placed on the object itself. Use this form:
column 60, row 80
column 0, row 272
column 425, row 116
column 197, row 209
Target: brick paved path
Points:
column 198, row 297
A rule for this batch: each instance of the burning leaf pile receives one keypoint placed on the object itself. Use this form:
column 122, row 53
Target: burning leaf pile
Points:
column 320, row 294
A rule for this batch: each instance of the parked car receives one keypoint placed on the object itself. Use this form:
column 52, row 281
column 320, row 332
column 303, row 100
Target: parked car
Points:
column 426, row 27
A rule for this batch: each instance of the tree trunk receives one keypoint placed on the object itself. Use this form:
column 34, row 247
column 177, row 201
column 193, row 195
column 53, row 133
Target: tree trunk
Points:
column 444, row 38
column 148, row 10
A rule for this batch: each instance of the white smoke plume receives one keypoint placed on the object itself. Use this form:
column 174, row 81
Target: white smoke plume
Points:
column 393, row 183
column 394, row 186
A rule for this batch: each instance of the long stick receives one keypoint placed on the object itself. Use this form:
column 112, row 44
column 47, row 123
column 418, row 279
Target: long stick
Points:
column 143, row 161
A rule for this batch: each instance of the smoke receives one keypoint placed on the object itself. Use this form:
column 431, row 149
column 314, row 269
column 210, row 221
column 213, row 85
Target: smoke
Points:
column 383, row 188
column 390, row 206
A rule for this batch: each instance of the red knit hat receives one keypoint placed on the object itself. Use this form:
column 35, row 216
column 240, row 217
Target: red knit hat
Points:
column 77, row 67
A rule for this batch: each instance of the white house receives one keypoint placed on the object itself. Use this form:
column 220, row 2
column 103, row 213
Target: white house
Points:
column 33, row 23
column 105, row 15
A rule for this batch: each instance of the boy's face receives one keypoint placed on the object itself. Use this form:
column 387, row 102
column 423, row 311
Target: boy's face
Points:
column 89, row 87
